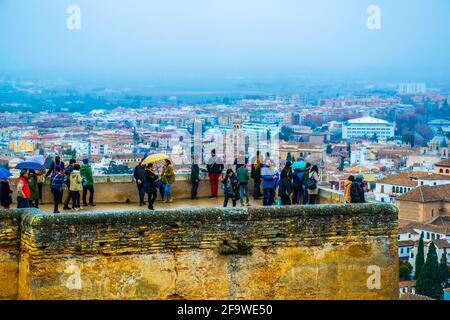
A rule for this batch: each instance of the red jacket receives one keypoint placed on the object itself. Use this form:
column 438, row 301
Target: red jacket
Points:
column 25, row 188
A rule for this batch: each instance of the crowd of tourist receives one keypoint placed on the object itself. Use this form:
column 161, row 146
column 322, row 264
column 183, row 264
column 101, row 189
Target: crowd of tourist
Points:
column 294, row 185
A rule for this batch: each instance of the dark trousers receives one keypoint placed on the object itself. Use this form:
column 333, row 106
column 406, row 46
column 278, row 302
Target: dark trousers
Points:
column 152, row 198
column 162, row 190
column 75, row 199
column 305, row 198
column 91, row 194
column 56, row 199
column 40, row 185
column 268, row 196
column 22, row 202
column 34, row 203
column 257, row 189
column 214, row 183
column 285, row 200
column 296, row 196
column 194, row 190
column 229, row 196
column 312, row 199
column 141, row 190
column 68, row 198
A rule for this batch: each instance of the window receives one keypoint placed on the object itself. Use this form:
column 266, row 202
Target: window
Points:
column 412, row 255
column 409, row 235
column 441, row 170
column 438, row 236
column 401, row 250
column 428, row 235
column 382, row 188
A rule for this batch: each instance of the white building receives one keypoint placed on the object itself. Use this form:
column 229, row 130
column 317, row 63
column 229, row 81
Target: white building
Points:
column 412, row 88
column 367, row 127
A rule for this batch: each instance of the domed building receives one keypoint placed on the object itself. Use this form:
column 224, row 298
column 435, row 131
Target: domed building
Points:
column 437, row 146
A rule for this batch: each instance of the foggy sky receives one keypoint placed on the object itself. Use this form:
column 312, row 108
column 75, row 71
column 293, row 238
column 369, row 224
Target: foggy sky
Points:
column 139, row 38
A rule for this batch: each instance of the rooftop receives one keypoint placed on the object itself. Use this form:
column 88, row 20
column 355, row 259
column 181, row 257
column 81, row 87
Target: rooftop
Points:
column 425, row 194
column 367, row 120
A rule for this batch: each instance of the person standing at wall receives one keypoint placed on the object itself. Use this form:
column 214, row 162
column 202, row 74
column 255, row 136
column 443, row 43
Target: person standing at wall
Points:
column 67, row 173
column 86, row 173
column 56, row 186
column 347, row 189
column 56, row 164
column 215, row 168
column 243, row 178
column 312, row 185
column 139, row 177
column 306, row 174
column 256, row 176
column 269, row 178
column 195, row 178
column 168, row 178
column 230, row 188
column 34, row 189
column 150, row 185
column 357, row 190
column 5, row 193
column 76, row 187
column 23, row 190
column 284, row 189
column 40, row 182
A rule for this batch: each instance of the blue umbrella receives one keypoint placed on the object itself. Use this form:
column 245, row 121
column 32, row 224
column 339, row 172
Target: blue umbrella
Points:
column 299, row 165
column 30, row 165
column 4, row 173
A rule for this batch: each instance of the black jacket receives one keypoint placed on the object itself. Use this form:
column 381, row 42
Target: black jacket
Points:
column 256, row 173
column 139, row 173
column 284, row 187
column 195, row 173
column 214, row 166
column 357, row 192
column 5, row 194
column 150, row 181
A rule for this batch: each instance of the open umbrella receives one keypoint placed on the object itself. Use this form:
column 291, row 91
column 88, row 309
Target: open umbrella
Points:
column 30, row 165
column 299, row 165
column 155, row 158
column 4, row 173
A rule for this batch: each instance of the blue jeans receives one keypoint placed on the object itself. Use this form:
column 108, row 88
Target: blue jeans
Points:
column 243, row 188
column 167, row 190
column 22, row 202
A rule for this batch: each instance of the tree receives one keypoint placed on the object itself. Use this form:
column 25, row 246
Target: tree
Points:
column 443, row 269
column 286, row 133
column 420, row 258
column 404, row 271
column 429, row 282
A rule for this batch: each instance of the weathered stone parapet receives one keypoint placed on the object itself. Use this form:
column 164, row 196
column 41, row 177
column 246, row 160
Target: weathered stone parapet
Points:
column 297, row 252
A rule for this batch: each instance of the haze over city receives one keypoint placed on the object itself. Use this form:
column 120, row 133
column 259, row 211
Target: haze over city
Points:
column 206, row 45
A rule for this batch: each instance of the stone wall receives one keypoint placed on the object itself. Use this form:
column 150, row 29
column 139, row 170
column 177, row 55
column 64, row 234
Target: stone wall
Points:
column 299, row 252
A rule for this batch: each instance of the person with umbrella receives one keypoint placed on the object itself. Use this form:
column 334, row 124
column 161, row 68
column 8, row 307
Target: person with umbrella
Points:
column 5, row 189
column 150, row 185
column 23, row 190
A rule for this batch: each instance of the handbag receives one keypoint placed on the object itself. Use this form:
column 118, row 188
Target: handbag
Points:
column 311, row 184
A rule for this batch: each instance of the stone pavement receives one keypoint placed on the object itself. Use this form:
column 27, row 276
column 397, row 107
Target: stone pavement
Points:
column 182, row 203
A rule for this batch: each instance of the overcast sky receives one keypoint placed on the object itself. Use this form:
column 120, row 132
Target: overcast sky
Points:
column 138, row 38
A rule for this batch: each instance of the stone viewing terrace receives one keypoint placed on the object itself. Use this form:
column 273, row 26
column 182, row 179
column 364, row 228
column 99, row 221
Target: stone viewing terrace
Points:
column 197, row 250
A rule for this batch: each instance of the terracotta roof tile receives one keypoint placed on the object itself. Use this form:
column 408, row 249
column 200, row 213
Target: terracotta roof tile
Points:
column 443, row 163
column 425, row 194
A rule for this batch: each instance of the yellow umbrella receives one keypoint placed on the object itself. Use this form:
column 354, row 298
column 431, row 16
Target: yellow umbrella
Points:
column 155, row 158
